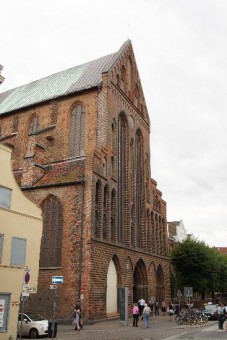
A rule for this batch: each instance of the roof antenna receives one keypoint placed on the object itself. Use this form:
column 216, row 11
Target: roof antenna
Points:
column 1, row 77
column 128, row 29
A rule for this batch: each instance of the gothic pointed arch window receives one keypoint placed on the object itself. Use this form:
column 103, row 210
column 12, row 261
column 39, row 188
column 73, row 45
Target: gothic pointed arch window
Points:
column 122, row 172
column 51, row 243
column 77, row 132
column 113, row 214
column 34, row 124
column 113, row 136
column 113, row 167
column 130, row 78
column 123, row 78
column 98, row 198
column 139, row 183
column 104, row 164
column 137, row 96
column 105, row 212
column 147, row 177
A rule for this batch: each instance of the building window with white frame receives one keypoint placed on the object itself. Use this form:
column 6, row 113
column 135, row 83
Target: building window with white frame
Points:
column 5, row 197
column 18, row 251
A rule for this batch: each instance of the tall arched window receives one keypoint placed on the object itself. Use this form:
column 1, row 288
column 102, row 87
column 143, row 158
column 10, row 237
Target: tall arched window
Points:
column 147, row 178
column 77, row 132
column 104, row 230
column 96, row 225
column 139, row 174
column 113, row 214
column 130, row 78
column 97, row 208
column 113, row 136
column 132, row 191
column 123, row 78
column 113, row 168
column 122, row 172
column 51, row 244
column 137, row 96
column 34, row 124
column 105, row 213
column 104, row 165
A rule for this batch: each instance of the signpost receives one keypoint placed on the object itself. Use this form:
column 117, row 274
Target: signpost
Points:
column 188, row 293
column 55, row 281
column 25, row 293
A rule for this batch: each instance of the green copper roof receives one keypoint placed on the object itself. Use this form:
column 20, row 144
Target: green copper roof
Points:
column 59, row 84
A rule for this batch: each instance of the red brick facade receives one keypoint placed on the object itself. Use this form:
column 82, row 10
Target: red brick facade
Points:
column 111, row 208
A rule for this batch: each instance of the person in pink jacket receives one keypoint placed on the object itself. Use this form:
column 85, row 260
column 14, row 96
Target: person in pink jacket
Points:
column 135, row 312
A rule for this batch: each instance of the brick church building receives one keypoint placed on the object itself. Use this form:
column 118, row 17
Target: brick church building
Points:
column 81, row 151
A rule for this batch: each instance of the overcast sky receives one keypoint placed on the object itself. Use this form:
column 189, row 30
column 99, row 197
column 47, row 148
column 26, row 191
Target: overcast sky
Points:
column 181, row 53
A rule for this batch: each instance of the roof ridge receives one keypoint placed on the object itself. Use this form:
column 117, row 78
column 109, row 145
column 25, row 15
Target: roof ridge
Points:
column 58, row 72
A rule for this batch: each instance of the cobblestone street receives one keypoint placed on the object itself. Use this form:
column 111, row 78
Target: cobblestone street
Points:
column 161, row 328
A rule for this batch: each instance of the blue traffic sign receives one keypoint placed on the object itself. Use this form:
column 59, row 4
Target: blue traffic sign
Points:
column 57, row 279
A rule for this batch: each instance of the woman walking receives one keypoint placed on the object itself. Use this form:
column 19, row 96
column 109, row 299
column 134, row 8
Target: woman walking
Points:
column 146, row 315
column 76, row 317
column 135, row 313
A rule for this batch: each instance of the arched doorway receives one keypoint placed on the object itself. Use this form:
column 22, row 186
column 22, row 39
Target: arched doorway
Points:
column 140, row 282
column 111, row 292
column 160, row 285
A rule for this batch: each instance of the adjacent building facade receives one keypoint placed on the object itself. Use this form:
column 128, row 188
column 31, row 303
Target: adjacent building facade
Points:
column 20, row 239
column 81, row 151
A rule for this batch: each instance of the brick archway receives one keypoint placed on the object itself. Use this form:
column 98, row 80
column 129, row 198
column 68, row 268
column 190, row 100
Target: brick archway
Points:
column 160, row 285
column 140, row 282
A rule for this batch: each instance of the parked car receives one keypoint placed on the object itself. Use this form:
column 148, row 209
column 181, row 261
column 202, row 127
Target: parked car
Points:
column 211, row 312
column 33, row 325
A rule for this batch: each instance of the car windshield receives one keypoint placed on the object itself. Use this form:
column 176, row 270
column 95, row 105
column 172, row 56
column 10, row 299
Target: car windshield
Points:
column 210, row 308
column 35, row 317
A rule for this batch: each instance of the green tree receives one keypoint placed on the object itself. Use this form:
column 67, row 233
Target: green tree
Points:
column 196, row 265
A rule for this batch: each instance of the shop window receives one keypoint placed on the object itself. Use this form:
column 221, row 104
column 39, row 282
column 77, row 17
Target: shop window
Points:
column 4, row 313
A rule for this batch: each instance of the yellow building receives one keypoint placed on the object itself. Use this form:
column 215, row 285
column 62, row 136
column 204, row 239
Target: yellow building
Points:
column 20, row 237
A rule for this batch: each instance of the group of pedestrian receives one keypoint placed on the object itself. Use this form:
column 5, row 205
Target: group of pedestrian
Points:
column 141, row 309
column 145, row 311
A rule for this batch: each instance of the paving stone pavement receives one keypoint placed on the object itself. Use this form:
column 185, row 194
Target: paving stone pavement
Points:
column 161, row 328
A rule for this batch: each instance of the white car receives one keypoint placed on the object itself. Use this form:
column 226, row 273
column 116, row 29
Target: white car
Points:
column 33, row 325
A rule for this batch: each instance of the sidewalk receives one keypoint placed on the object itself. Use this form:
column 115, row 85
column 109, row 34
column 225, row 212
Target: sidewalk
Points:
column 161, row 328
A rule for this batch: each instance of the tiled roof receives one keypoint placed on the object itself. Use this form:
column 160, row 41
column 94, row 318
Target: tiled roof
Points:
column 75, row 79
column 63, row 173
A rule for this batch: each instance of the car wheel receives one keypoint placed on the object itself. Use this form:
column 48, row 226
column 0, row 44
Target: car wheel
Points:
column 33, row 333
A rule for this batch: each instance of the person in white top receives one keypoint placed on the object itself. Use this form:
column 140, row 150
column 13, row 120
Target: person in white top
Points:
column 141, row 304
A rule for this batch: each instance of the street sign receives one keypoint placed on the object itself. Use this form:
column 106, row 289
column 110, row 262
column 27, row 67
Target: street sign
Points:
column 27, row 275
column 53, row 287
column 32, row 290
column 25, row 290
column 57, row 280
column 188, row 292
